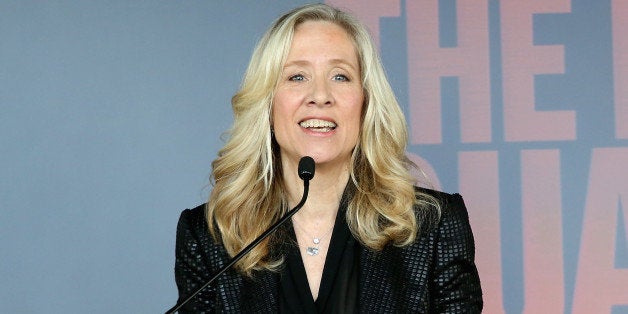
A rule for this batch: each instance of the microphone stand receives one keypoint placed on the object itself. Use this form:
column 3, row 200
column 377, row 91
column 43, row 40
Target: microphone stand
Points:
column 306, row 186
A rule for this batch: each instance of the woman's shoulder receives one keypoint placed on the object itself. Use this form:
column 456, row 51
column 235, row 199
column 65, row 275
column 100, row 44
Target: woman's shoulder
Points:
column 192, row 226
column 444, row 198
column 194, row 217
column 452, row 210
column 446, row 201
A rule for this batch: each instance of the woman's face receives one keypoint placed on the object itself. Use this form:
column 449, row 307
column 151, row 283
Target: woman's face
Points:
column 318, row 102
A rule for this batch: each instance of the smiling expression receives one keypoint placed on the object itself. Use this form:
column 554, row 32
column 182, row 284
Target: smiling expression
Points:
column 318, row 101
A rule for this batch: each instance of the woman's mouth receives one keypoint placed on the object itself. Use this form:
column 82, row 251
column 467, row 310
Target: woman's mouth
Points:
column 318, row 125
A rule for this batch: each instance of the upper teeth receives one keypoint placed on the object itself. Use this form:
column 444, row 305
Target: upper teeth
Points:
column 316, row 123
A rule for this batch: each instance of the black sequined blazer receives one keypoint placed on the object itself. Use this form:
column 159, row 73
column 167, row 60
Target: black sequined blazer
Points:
column 436, row 274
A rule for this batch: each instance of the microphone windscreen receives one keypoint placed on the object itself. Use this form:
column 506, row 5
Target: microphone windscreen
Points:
column 306, row 168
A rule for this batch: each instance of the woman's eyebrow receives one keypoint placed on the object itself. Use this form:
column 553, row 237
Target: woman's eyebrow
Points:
column 337, row 61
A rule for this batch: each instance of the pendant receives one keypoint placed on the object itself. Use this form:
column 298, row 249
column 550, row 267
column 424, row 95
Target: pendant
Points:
column 311, row 250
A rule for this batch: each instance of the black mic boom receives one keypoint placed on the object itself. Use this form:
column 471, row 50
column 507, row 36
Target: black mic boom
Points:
column 306, row 173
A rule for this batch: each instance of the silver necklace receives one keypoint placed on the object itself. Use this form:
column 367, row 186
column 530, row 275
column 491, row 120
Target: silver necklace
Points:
column 314, row 249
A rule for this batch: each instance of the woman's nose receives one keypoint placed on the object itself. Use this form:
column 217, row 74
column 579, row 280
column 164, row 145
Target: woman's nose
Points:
column 320, row 93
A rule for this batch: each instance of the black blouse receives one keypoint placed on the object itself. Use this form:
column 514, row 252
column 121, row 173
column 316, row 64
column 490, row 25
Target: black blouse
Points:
column 338, row 290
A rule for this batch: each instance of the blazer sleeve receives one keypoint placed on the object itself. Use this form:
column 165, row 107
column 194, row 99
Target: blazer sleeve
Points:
column 191, row 265
column 455, row 283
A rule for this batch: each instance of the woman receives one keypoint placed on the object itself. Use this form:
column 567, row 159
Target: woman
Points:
column 366, row 240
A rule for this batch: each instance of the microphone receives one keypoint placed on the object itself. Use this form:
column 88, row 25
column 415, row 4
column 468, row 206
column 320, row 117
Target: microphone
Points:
column 306, row 168
column 306, row 173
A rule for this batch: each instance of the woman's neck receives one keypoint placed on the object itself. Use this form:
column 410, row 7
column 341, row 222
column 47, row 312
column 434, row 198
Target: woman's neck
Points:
column 325, row 190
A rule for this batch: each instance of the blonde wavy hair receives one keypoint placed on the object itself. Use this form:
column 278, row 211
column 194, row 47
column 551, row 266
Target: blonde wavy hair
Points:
column 248, row 191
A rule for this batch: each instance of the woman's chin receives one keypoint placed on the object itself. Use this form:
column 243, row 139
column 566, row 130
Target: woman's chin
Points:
column 325, row 160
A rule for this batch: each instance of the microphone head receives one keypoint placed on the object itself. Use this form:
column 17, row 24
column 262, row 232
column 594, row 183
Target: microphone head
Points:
column 306, row 168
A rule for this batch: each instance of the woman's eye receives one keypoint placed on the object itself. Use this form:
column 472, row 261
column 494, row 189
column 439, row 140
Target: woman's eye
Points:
column 296, row 77
column 340, row 77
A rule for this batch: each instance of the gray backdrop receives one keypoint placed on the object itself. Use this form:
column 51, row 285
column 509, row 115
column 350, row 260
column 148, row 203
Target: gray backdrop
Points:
column 111, row 112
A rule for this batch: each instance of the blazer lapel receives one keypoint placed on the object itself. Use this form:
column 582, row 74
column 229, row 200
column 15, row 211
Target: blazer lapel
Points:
column 236, row 293
column 376, row 284
column 260, row 294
